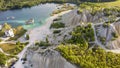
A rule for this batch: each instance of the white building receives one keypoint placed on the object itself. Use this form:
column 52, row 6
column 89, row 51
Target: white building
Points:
column 9, row 33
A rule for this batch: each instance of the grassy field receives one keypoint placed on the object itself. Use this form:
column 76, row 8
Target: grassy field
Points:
column 95, row 7
column 7, row 47
column 112, row 4
column 12, row 49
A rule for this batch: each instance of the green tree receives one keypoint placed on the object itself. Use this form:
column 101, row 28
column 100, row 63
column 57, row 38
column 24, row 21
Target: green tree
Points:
column 3, row 59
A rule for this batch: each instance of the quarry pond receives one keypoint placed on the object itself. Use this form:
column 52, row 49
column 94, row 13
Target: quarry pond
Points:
column 18, row 17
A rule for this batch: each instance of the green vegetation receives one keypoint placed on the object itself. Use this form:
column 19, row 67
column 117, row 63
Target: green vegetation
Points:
column 57, row 25
column 106, row 25
column 115, row 35
column 56, row 31
column 78, row 51
column 82, row 34
column 79, row 11
column 1, row 40
column 3, row 59
column 42, row 43
column 89, row 58
column 18, row 4
column 4, row 28
column 57, row 19
column 13, row 49
column 94, row 7
column 27, row 37
column 102, row 39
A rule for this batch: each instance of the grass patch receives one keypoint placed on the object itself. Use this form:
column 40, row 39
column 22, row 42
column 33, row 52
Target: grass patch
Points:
column 95, row 7
column 3, row 59
column 82, row 34
column 56, row 31
column 57, row 25
column 42, row 43
column 13, row 49
column 7, row 47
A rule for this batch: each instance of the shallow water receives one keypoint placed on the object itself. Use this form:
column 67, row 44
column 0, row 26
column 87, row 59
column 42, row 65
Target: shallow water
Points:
column 40, row 13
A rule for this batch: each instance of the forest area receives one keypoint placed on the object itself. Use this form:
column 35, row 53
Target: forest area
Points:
column 17, row 4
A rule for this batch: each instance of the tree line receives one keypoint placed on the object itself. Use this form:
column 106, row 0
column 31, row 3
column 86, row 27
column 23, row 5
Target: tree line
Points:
column 17, row 4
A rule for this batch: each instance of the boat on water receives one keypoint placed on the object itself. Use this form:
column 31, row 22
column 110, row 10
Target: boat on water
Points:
column 11, row 17
column 30, row 21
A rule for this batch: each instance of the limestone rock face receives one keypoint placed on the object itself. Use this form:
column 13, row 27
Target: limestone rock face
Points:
column 106, row 32
column 47, row 59
column 73, row 18
column 116, row 43
column 117, row 27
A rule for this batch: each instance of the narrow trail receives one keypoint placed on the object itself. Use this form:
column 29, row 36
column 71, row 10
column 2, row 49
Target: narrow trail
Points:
column 103, row 46
column 96, row 39
column 1, row 50
column 4, row 42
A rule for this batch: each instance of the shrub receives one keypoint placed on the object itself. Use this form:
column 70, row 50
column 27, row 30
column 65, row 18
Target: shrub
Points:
column 115, row 35
column 26, row 43
column 82, row 34
column 79, row 11
column 3, row 59
column 57, row 19
column 18, row 43
column 89, row 58
column 27, row 37
column 105, row 25
column 56, row 31
column 37, row 43
column 102, row 39
column 57, row 25
column 42, row 43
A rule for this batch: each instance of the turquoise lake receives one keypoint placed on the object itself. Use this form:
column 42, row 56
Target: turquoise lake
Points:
column 40, row 13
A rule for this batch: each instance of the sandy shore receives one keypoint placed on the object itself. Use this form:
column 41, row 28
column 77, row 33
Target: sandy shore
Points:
column 37, row 34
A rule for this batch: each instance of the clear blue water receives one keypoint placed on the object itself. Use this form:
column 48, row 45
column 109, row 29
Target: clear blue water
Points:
column 40, row 13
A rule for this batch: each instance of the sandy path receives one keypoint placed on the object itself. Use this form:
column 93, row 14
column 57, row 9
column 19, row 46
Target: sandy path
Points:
column 37, row 34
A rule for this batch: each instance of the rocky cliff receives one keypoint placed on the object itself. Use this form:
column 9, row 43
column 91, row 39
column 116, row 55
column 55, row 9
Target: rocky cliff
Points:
column 47, row 58
column 98, row 19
